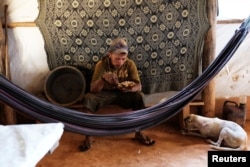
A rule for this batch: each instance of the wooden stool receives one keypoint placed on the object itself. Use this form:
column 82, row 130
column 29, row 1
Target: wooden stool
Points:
column 186, row 111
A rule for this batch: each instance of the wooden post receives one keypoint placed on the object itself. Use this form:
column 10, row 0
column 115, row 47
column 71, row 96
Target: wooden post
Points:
column 9, row 112
column 208, row 94
column 2, row 39
column 6, row 57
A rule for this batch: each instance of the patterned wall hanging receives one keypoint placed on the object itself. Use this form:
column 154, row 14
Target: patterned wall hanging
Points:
column 165, row 37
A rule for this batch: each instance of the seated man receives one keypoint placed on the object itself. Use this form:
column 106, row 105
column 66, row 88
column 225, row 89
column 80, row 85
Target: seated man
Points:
column 115, row 81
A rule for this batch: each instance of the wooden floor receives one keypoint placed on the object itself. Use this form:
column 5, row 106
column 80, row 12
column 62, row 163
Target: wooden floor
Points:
column 171, row 150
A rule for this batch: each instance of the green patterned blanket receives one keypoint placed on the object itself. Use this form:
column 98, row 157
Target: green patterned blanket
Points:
column 164, row 37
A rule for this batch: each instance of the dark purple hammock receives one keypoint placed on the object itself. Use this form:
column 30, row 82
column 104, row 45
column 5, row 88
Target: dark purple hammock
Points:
column 120, row 123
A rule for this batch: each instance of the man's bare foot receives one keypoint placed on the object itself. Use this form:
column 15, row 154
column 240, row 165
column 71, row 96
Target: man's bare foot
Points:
column 86, row 143
column 144, row 139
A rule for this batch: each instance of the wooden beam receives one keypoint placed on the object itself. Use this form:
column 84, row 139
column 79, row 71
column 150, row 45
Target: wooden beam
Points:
column 231, row 21
column 208, row 94
column 21, row 24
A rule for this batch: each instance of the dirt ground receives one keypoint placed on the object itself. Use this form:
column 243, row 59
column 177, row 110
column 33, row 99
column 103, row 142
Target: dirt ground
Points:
column 171, row 149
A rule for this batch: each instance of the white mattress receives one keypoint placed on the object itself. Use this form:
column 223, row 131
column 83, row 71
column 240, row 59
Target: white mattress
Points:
column 25, row 145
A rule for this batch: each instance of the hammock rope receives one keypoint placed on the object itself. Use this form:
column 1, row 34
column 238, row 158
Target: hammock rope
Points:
column 119, row 123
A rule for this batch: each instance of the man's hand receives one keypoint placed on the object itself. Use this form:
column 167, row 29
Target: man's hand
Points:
column 110, row 78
